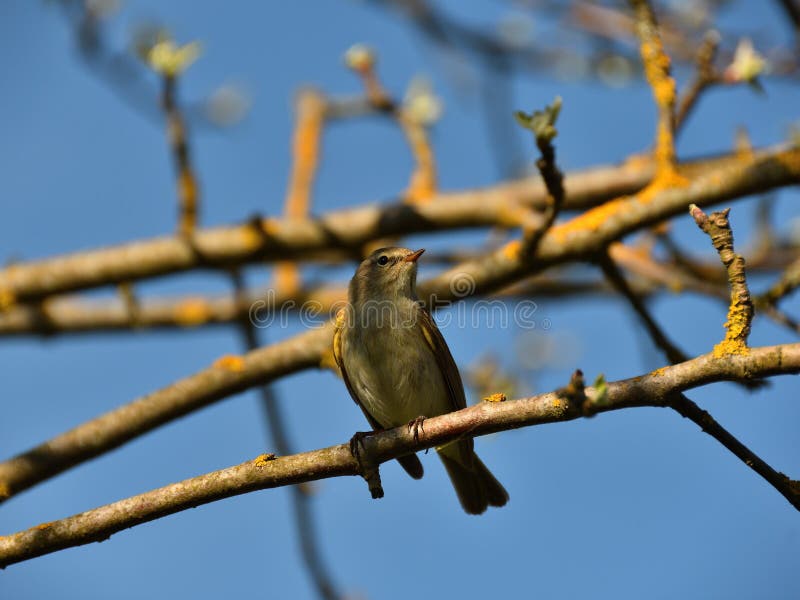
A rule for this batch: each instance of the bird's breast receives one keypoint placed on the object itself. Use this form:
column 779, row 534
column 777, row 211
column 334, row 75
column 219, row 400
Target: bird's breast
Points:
column 394, row 372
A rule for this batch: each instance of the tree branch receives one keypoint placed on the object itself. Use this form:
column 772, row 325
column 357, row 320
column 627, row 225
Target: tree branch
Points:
column 584, row 236
column 788, row 282
column 301, row 493
column 654, row 389
column 792, row 14
column 310, row 108
column 740, row 311
column 788, row 488
column 71, row 315
column 660, row 339
column 705, row 76
column 177, row 136
column 347, row 230
column 229, row 375
column 657, row 70
column 543, row 126
column 578, row 239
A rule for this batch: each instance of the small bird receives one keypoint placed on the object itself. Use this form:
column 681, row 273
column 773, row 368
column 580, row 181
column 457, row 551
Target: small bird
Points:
column 398, row 368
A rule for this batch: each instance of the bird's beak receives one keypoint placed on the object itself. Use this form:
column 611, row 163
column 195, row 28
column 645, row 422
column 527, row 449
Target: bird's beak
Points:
column 414, row 255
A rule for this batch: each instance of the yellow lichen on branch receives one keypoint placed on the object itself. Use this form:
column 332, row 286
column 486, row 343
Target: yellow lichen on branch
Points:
column 558, row 408
column 592, row 219
column 737, row 328
column 262, row 459
column 192, row 312
column 512, row 250
column 665, row 178
column 7, row 299
column 740, row 311
column 497, row 397
column 657, row 72
column 230, row 362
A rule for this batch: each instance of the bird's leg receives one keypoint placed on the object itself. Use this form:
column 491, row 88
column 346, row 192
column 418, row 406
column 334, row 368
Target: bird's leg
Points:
column 369, row 470
column 415, row 426
column 358, row 440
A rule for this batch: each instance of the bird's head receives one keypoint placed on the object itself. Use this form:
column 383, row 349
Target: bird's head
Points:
column 386, row 274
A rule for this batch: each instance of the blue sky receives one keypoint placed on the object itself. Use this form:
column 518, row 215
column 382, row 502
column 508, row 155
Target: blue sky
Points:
column 631, row 504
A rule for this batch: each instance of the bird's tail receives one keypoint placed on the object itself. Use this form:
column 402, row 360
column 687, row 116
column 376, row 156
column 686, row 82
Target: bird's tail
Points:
column 475, row 485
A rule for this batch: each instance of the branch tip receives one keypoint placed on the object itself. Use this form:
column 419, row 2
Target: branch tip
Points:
column 740, row 311
column 541, row 122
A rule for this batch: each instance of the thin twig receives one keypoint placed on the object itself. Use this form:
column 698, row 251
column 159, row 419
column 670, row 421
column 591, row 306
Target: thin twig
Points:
column 660, row 339
column 792, row 11
column 301, row 494
column 780, row 317
column 639, row 261
column 705, row 76
column 129, row 300
column 177, row 135
column 422, row 184
column 788, row 488
column 740, row 312
column 788, row 282
column 543, row 125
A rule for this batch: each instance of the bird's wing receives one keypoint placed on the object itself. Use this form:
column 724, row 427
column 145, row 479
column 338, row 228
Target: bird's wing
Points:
column 337, row 355
column 447, row 366
column 452, row 380
column 410, row 463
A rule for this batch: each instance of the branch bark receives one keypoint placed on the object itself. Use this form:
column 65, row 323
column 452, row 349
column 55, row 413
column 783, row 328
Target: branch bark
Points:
column 657, row 71
column 229, row 375
column 579, row 239
column 654, row 389
column 72, row 315
column 346, row 231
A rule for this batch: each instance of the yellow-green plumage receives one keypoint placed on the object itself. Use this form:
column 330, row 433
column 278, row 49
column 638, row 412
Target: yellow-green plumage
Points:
column 398, row 367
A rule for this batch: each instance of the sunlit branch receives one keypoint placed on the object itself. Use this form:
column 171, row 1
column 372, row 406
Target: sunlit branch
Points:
column 576, row 240
column 267, row 471
column 348, row 230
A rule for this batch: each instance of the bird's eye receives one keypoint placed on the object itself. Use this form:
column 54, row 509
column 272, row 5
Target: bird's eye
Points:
column 383, row 260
